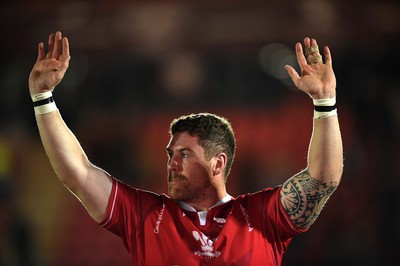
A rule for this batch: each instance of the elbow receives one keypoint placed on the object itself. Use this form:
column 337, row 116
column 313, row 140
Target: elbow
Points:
column 71, row 179
column 72, row 176
column 337, row 172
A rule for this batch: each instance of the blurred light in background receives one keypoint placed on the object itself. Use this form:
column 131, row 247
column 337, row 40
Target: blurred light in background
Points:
column 182, row 75
column 273, row 58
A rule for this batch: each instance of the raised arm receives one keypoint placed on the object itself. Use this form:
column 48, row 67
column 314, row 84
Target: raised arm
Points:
column 304, row 195
column 89, row 183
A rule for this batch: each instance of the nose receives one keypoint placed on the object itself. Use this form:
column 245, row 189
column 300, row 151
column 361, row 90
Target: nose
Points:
column 173, row 164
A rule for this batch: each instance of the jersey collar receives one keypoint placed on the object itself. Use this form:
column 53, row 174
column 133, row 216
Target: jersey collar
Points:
column 188, row 207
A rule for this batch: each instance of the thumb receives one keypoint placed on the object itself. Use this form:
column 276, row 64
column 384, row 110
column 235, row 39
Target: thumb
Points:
column 293, row 75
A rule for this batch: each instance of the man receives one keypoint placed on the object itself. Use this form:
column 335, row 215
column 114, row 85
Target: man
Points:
column 199, row 222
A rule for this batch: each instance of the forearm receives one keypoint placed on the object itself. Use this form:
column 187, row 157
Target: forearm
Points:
column 325, row 156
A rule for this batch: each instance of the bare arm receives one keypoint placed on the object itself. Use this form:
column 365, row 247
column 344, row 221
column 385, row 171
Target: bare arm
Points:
column 304, row 195
column 89, row 183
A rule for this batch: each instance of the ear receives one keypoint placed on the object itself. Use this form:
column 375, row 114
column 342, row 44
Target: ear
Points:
column 220, row 163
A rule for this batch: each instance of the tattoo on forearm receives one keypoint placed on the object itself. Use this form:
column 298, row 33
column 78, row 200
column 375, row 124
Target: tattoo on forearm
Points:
column 303, row 198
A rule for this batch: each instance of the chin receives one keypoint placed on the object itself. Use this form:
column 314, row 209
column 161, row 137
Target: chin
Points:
column 173, row 194
column 177, row 195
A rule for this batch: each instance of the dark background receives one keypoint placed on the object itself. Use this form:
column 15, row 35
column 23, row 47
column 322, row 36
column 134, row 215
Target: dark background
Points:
column 136, row 65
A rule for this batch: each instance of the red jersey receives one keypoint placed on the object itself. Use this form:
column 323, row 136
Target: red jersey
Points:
column 252, row 229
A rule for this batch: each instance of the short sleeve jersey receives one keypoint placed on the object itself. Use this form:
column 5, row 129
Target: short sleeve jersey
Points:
column 251, row 229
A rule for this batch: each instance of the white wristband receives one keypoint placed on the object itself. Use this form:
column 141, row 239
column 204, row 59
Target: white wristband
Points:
column 324, row 107
column 319, row 115
column 40, row 96
column 43, row 103
column 324, row 102
column 44, row 109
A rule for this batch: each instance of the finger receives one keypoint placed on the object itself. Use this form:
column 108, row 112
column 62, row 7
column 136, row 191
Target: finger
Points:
column 313, row 42
column 50, row 45
column 328, row 57
column 313, row 54
column 293, row 75
column 300, row 56
column 57, row 45
column 41, row 53
column 65, row 56
column 65, row 47
column 307, row 42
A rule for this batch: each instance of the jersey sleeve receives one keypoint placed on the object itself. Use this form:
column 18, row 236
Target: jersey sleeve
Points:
column 276, row 218
column 125, row 208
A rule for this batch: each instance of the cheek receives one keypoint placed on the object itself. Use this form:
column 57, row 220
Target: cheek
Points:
column 197, row 172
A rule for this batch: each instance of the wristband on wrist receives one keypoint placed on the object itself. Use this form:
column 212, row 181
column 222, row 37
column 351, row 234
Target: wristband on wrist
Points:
column 43, row 103
column 324, row 107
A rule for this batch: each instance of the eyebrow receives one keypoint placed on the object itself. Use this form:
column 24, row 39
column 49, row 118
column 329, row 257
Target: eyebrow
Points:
column 179, row 150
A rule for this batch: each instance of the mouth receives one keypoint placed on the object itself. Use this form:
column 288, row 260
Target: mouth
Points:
column 176, row 177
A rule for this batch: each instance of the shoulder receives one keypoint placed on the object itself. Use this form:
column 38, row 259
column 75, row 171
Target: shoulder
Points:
column 267, row 206
column 260, row 200
column 126, row 196
column 127, row 201
column 266, row 193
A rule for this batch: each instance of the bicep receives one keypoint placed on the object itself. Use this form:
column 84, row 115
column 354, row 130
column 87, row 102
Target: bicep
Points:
column 303, row 198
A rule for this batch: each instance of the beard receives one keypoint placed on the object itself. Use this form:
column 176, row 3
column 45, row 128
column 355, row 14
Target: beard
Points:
column 181, row 189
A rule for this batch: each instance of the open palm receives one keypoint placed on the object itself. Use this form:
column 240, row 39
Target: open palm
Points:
column 50, row 67
column 317, row 79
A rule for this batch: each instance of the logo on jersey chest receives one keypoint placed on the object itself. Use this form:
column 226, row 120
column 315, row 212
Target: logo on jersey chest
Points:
column 207, row 246
column 246, row 217
column 159, row 219
column 220, row 221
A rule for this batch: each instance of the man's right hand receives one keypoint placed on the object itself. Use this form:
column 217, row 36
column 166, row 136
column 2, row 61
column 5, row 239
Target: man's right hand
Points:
column 50, row 66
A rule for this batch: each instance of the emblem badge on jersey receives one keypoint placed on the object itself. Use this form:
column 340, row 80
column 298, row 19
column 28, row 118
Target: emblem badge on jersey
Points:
column 219, row 220
column 207, row 246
